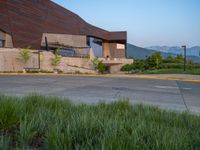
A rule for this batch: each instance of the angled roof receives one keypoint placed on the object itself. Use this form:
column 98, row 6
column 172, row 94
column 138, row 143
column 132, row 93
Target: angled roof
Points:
column 27, row 20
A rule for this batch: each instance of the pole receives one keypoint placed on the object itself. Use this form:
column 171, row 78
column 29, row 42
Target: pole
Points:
column 185, row 55
column 46, row 43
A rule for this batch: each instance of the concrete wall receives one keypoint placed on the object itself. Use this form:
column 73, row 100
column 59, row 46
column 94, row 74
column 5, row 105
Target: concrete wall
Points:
column 8, row 41
column 67, row 65
column 117, row 52
column 106, row 50
column 65, row 39
column 10, row 61
column 111, row 50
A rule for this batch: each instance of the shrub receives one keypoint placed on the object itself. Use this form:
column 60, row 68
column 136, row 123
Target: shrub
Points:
column 56, row 60
column 127, row 68
column 154, row 61
column 137, row 66
column 98, row 65
column 25, row 55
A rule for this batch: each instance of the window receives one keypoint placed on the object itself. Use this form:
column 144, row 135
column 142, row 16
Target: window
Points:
column 2, row 39
column 120, row 46
column 96, row 45
column 2, row 43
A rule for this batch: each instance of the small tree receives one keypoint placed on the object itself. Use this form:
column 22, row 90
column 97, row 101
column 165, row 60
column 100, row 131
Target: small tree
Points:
column 155, row 60
column 179, row 58
column 98, row 65
column 25, row 55
column 56, row 60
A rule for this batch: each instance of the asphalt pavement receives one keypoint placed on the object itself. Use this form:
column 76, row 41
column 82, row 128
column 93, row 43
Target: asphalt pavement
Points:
column 174, row 95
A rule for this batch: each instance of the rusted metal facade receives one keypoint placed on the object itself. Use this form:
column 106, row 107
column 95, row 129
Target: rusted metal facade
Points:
column 27, row 20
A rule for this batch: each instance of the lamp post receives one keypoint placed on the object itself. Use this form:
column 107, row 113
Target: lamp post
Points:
column 185, row 55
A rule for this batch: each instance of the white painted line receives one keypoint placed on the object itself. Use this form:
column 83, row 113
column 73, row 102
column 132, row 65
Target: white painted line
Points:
column 186, row 88
column 166, row 87
column 171, row 87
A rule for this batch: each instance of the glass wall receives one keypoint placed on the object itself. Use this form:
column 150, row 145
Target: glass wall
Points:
column 96, row 45
column 2, row 39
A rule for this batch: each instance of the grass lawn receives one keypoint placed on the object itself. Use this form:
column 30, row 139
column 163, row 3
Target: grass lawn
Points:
column 173, row 71
column 38, row 122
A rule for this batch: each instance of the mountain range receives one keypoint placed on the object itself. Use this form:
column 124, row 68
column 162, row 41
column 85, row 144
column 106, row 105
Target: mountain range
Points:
column 193, row 51
column 141, row 53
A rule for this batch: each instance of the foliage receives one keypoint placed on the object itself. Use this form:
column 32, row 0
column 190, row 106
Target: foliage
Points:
column 173, row 71
column 154, row 61
column 179, row 59
column 127, row 68
column 39, row 122
column 56, row 60
column 98, row 65
column 137, row 66
column 25, row 55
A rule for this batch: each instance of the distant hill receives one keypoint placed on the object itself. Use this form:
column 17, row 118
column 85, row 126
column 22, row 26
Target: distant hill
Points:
column 141, row 53
column 193, row 51
column 138, row 52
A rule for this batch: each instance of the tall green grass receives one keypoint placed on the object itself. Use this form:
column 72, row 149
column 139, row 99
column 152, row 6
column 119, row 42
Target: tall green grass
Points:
column 39, row 122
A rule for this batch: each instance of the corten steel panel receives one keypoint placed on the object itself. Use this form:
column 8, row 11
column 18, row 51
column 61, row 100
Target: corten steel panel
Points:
column 27, row 20
column 4, row 18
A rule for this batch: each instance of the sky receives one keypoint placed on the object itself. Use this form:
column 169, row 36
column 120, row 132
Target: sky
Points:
column 148, row 22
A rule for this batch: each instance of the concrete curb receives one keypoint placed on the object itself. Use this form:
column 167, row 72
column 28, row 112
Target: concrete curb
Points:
column 110, row 75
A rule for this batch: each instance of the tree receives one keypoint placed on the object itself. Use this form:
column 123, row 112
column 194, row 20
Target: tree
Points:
column 98, row 65
column 25, row 55
column 179, row 58
column 169, row 59
column 56, row 60
column 155, row 60
column 127, row 68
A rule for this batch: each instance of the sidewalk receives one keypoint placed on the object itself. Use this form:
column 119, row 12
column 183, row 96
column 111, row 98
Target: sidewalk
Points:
column 177, row 77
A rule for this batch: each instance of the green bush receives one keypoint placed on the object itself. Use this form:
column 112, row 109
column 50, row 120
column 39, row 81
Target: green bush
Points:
column 101, row 68
column 127, row 68
column 154, row 61
column 98, row 65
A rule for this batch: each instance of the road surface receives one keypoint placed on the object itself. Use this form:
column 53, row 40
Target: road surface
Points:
column 175, row 95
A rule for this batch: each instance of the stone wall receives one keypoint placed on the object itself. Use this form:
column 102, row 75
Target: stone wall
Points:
column 10, row 62
column 67, row 65
column 111, row 50
column 8, row 41
column 65, row 39
column 117, row 52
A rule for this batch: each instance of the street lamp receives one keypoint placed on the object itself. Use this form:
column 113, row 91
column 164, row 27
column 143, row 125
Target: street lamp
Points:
column 184, row 47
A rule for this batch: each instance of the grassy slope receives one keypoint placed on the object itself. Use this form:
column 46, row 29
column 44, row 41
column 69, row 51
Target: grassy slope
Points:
column 173, row 71
column 51, row 123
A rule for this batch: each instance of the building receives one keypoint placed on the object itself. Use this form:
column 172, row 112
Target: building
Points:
column 43, row 24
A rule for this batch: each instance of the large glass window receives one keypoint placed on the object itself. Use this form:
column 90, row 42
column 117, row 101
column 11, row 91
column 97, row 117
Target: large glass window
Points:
column 96, row 45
